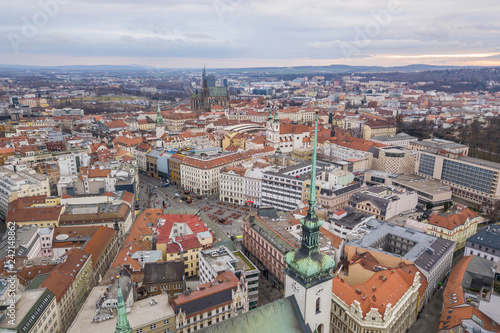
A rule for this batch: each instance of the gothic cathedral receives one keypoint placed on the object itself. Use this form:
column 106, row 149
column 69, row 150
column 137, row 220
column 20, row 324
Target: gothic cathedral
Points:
column 209, row 96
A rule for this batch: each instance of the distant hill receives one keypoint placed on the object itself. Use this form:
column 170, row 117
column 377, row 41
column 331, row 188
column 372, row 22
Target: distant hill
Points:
column 331, row 69
column 336, row 69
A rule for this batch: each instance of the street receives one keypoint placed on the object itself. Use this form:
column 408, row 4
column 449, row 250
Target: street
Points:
column 429, row 318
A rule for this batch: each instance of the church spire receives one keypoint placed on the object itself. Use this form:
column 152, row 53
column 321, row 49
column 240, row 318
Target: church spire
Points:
column 308, row 264
column 270, row 115
column 204, row 82
column 276, row 118
column 122, row 324
column 159, row 118
column 312, row 191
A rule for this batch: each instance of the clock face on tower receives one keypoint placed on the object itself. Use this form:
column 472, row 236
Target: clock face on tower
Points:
column 319, row 290
column 295, row 287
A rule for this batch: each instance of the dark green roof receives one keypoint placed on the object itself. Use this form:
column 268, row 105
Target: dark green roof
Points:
column 37, row 281
column 36, row 310
column 217, row 91
column 309, row 267
column 282, row 315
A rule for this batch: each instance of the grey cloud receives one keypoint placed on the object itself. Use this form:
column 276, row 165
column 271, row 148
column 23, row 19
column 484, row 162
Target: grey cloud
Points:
column 263, row 29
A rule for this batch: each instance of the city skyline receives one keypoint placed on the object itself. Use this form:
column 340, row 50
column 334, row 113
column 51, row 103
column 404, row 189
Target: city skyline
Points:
column 235, row 34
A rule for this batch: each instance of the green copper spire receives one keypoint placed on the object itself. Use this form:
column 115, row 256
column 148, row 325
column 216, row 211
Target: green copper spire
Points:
column 312, row 191
column 276, row 118
column 122, row 324
column 270, row 115
column 159, row 118
column 308, row 264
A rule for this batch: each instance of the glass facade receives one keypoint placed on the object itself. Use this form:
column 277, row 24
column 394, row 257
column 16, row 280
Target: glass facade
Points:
column 426, row 165
column 470, row 176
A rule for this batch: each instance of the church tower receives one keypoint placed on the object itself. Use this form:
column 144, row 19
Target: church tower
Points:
column 309, row 275
column 273, row 128
column 160, row 126
column 122, row 324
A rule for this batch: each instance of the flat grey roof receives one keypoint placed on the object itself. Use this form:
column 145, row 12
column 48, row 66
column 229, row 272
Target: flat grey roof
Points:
column 418, row 254
column 422, row 184
column 488, row 236
column 440, row 144
column 479, row 161
column 397, row 137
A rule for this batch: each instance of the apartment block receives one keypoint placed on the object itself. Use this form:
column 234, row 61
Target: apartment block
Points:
column 71, row 282
column 210, row 303
column 35, row 311
column 283, row 189
column 376, row 305
column 20, row 184
column 201, row 174
column 457, row 224
column 383, row 202
column 485, row 243
column 219, row 259
column 391, row 245
column 231, row 185
column 99, row 312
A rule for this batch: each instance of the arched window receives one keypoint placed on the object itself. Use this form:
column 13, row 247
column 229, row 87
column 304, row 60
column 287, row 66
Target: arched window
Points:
column 317, row 305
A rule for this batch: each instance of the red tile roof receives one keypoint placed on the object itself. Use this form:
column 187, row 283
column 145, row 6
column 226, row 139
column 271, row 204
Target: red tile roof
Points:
column 34, row 214
column 99, row 242
column 127, row 142
column 188, row 242
column 452, row 219
column 226, row 280
column 377, row 292
column 451, row 318
column 61, row 278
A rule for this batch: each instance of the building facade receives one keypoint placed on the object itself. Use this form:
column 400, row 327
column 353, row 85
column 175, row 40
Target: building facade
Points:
column 201, row 175
column 231, row 185
column 71, row 282
column 213, row 302
column 470, row 178
column 376, row 306
column 283, row 189
column 457, row 225
column 219, row 259
column 384, row 202
column 485, row 244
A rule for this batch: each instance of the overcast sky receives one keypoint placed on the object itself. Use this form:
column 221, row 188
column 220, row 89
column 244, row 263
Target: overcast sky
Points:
column 249, row 33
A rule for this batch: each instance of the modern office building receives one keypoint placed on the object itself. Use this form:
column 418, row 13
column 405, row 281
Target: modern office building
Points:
column 471, row 179
column 283, row 189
